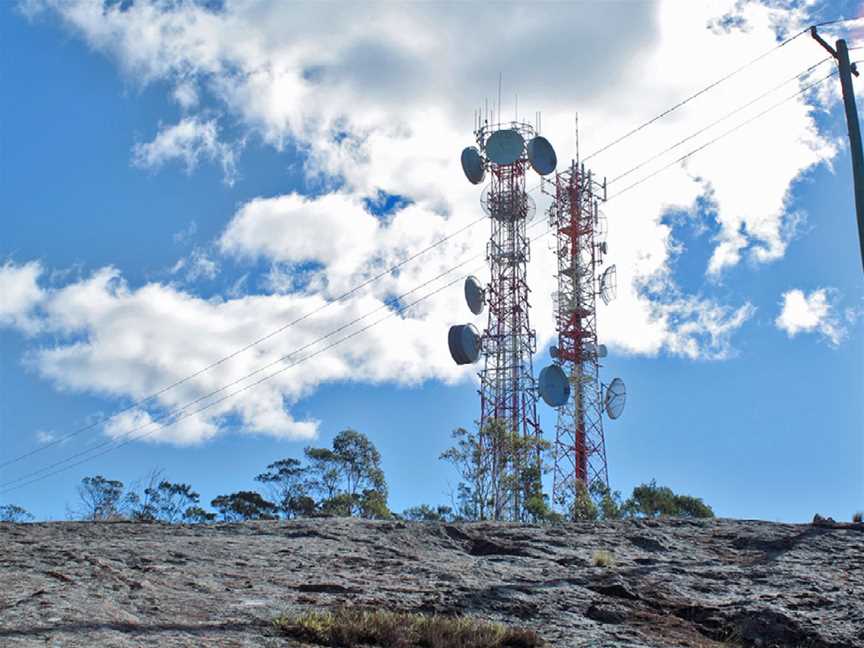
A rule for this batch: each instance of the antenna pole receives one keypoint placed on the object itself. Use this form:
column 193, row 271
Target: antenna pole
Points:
column 846, row 70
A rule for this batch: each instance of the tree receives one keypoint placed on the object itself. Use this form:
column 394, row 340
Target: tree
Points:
column 289, row 483
column 348, row 478
column 609, row 506
column 172, row 501
column 515, row 480
column 651, row 500
column 425, row 513
column 13, row 513
column 244, row 505
column 583, row 508
column 103, row 499
column 474, row 492
column 197, row 515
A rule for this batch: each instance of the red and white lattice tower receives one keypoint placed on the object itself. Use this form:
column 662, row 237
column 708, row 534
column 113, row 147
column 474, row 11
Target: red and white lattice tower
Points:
column 580, row 447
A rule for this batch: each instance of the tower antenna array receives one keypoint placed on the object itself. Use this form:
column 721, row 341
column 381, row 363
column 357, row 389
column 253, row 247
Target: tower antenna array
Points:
column 509, row 430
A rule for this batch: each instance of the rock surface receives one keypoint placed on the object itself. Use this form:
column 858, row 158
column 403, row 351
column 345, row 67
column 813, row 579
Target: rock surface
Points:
column 674, row 582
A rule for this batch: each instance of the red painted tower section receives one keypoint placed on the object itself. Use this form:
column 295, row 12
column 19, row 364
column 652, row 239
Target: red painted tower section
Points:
column 580, row 447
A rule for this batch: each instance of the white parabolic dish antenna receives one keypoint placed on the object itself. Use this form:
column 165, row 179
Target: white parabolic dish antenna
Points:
column 474, row 295
column 554, row 386
column 472, row 165
column 504, row 146
column 608, row 284
column 616, row 397
column 464, row 342
column 542, row 156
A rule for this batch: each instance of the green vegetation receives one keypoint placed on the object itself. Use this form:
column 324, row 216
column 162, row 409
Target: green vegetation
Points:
column 347, row 480
column 349, row 627
column 523, row 465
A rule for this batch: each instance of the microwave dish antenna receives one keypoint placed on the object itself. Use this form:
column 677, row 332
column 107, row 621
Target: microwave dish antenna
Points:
column 472, row 165
column 609, row 284
column 615, row 399
column 475, row 296
column 505, row 147
column 464, row 343
column 541, row 155
column 554, row 386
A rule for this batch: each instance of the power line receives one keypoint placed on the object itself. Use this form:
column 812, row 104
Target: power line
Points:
column 710, row 86
column 243, row 349
column 718, row 121
column 724, row 134
column 416, row 255
column 38, row 474
column 174, row 411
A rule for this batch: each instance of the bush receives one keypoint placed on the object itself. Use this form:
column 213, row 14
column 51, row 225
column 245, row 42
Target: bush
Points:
column 651, row 500
column 858, row 517
column 349, row 627
column 13, row 513
column 603, row 558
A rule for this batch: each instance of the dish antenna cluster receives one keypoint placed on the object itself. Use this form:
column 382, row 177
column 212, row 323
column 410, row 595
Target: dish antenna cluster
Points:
column 502, row 156
column 572, row 383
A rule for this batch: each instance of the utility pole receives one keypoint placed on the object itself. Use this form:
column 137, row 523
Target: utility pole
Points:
column 847, row 69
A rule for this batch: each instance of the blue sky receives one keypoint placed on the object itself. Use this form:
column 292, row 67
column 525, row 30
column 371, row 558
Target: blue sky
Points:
column 261, row 213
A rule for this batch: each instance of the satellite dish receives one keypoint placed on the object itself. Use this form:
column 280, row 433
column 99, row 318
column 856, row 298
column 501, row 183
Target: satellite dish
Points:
column 464, row 342
column 616, row 397
column 541, row 155
column 504, row 147
column 604, row 249
column 608, row 284
column 554, row 386
column 472, row 165
column 553, row 351
column 474, row 295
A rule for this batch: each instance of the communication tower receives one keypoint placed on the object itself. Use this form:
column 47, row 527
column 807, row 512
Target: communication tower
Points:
column 508, row 390
column 580, row 246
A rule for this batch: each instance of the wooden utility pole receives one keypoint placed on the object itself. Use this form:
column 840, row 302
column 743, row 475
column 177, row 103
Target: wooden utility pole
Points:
column 846, row 70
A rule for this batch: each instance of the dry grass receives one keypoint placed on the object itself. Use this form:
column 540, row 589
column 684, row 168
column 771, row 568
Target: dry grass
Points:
column 603, row 558
column 350, row 627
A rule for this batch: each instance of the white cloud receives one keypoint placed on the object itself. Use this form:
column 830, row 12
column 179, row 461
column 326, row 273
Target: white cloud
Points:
column 19, row 295
column 110, row 339
column 198, row 265
column 189, row 140
column 387, row 105
column 186, row 95
column 813, row 313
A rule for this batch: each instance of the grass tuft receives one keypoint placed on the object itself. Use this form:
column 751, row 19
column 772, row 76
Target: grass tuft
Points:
column 350, row 627
column 603, row 558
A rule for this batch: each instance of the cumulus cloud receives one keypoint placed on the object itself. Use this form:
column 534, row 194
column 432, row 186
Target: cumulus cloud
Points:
column 388, row 105
column 811, row 313
column 128, row 343
column 188, row 140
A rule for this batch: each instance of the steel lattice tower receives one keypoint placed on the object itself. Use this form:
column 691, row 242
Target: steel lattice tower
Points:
column 508, row 392
column 580, row 447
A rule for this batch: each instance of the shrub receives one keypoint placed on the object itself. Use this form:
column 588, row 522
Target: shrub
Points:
column 603, row 558
column 349, row 627
column 858, row 517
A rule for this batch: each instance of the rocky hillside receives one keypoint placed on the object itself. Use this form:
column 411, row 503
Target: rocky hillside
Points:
column 673, row 582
